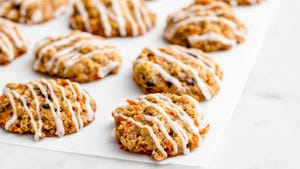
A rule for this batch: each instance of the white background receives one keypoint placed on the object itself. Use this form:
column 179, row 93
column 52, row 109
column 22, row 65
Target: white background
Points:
column 264, row 131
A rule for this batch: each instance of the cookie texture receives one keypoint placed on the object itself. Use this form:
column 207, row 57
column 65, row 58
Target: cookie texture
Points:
column 12, row 42
column 112, row 18
column 239, row 2
column 78, row 56
column 45, row 108
column 206, row 25
column 178, row 70
column 32, row 11
column 160, row 125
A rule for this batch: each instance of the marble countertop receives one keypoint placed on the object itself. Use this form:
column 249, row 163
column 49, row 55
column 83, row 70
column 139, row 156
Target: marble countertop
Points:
column 264, row 131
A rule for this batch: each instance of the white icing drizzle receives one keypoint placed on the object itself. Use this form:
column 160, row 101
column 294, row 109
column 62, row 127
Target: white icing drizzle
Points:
column 150, row 130
column 105, row 70
column 72, row 55
column 163, row 130
column 200, row 117
column 172, row 30
column 200, row 9
column 54, row 106
column 85, row 16
column 6, row 46
column 183, row 116
column 13, row 94
column 13, row 32
column 121, row 13
column 38, row 133
column 44, row 48
column 138, row 15
column 129, row 17
column 121, row 22
column 167, row 77
column 60, row 59
column 193, row 39
column 89, row 111
column 10, row 39
column 104, row 17
column 195, row 55
column 24, row 103
column 65, row 52
column 180, row 131
column 13, row 105
column 63, row 93
column 37, row 15
column 23, row 11
column 146, row 17
column 77, row 104
column 56, row 114
column 202, row 86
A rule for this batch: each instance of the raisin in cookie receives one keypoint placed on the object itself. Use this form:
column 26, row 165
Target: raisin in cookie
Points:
column 178, row 70
column 12, row 43
column 111, row 18
column 207, row 25
column 160, row 125
column 45, row 108
column 32, row 11
column 78, row 56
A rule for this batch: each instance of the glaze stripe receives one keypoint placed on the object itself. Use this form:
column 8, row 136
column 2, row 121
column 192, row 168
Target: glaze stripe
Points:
column 202, row 86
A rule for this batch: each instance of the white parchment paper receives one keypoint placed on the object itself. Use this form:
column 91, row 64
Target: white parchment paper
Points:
column 97, row 139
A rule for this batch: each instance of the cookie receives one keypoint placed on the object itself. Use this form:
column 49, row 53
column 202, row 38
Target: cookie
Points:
column 12, row 43
column 209, row 26
column 78, row 56
column 32, row 11
column 178, row 70
column 112, row 18
column 160, row 125
column 45, row 108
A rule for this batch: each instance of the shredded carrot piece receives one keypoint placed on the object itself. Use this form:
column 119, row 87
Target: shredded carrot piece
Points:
column 169, row 145
column 131, row 102
column 62, row 81
column 118, row 118
column 138, row 117
column 205, row 130
column 135, row 106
